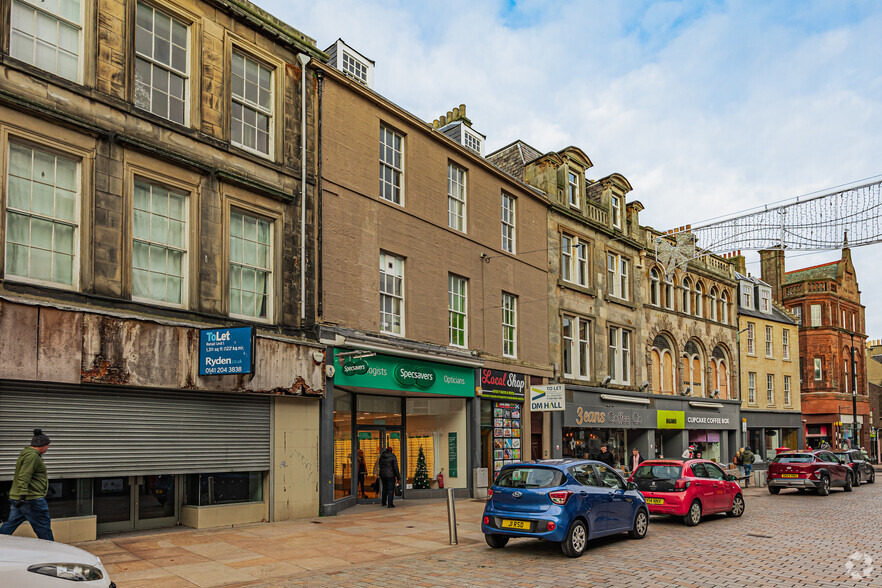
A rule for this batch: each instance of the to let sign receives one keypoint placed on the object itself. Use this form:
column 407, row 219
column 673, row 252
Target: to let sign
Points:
column 547, row 398
column 226, row 351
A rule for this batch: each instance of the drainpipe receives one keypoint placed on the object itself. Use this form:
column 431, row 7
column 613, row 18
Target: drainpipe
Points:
column 304, row 59
column 319, row 187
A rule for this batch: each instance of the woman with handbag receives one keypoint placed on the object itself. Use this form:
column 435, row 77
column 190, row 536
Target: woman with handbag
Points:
column 389, row 475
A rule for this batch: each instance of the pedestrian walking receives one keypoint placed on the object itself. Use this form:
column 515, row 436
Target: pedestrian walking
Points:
column 27, row 496
column 389, row 476
column 606, row 457
column 636, row 459
column 737, row 461
column 747, row 459
column 689, row 453
column 362, row 472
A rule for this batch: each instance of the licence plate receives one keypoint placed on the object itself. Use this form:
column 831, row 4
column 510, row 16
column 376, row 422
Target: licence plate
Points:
column 509, row 524
column 655, row 501
column 789, row 475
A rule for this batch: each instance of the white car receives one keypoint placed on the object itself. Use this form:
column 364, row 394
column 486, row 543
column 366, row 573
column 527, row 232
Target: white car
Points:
column 34, row 563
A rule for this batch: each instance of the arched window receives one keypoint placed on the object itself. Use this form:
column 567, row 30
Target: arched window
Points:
column 719, row 373
column 687, row 296
column 669, row 292
column 693, row 369
column 713, row 302
column 699, row 300
column 724, row 310
column 654, row 288
column 663, row 376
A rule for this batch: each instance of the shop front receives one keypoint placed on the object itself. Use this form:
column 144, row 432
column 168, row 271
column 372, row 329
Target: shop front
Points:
column 419, row 409
column 503, row 419
column 769, row 430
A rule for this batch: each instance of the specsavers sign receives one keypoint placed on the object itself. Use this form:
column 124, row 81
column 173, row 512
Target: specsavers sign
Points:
column 386, row 372
column 547, row 398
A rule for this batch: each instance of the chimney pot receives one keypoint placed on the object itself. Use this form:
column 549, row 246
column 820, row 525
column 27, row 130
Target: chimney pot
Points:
column 456, row 114
column 462, row 110
column 435, row 124
column 443, row 120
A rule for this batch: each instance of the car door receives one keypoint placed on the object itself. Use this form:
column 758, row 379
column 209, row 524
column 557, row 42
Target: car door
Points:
column 591, row 498
column 620, row 508
column 704, row 487
column 722, row 497
column 838, row 472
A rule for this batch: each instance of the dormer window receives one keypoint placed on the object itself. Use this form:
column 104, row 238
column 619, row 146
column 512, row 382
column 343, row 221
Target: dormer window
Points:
column 765, row 300
column 472, row 141
column 747, row 295
column 573, row 189
column 352, row 63
column 355, row 68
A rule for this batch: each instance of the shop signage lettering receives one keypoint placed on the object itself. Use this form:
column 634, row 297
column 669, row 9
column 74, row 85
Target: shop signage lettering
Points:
column 502, row 385
column 452, row 455
column 547, row 398
column 670, row 419
column 581, row 416
column 356, row 366
column 409, row 375
column 584, row 417
column 388, row 372
column 226, row 351
column 707, row 420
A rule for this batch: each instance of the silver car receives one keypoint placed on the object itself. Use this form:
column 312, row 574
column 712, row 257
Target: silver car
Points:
column 35, row 563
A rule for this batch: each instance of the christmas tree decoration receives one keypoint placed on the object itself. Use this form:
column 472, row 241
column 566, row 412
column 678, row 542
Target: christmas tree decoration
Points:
column 421, row 476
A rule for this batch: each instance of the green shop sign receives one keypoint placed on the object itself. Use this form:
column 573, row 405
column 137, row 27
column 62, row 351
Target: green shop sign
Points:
column 387, row 372
column 670, row 419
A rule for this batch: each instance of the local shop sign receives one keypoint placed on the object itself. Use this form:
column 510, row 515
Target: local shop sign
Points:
column 500, row 385
column 386, row 372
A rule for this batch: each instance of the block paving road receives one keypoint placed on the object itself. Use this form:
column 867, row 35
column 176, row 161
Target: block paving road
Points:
column 787, row 540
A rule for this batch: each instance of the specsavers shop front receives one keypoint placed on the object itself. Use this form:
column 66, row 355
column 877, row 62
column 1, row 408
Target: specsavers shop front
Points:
column 419, row 408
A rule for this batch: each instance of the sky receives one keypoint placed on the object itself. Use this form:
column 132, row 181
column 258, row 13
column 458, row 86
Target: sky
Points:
column 707, row 107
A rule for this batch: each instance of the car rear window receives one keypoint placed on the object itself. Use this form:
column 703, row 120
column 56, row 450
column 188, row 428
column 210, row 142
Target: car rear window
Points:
column 529, row 477
column 658, row 472
column 794, row 458
column 845, row 457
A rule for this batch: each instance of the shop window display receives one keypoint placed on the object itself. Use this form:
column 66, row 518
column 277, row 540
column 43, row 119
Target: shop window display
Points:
column 506, row 435
column 344, row 469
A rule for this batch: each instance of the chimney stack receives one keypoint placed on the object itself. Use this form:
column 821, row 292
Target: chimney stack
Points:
column 772, row 272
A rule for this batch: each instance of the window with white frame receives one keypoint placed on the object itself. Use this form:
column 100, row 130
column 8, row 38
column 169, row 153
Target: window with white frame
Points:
column 713, row 302
column 699, row 300
column 508, row 223
column 617, row 275
column 724, row 308
column 770, row 389
column 391, row 294
column 42, row 216
column 751, row 387
column 787, row 399
column 747, row 295
column 768, row 341
column 159, row 244
column 654, row 287
column 669, row 292
column 619, row 355
column 765, row 300
column 457, row 310
column 574, row 260
column 687, row 296
column 161, row 64
column 816, row 315
column 252, row 107
column 819, row 369
column 785, row 343
column 616, row 206
column 47, row 34
column 576, row 347
column 472, row 141
column 751, row 339
column 456, row 197
column 391, row 165
column 797, row 311
column 251, row 265
column 355, row 68
column 573, row 188
column 509, row 325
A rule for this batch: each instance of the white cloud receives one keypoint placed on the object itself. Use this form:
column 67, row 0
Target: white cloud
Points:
column 706, row 107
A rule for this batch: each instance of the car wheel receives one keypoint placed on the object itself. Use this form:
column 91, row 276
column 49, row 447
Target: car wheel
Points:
column 774, row 489
column 872, row 478
column 693, row 517
column 576, row 541
column 857, row 478
column 641, row 525
column 824, row 487
column 496, row 541
column 848, row 484
column 737, row 506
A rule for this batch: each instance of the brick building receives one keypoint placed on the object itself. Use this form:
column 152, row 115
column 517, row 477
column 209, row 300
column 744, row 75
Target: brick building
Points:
column 153, row 191
column 827, row 303
column 874, row 383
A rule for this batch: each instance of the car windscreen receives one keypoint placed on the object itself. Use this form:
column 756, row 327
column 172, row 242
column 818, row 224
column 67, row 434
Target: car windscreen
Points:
column 844, row 457
column 529, row 477
column 658, row 472
column 794, row 458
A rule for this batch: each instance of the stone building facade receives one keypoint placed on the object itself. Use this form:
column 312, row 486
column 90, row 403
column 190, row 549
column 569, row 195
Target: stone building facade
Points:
column 156, row 190
column 826, row 300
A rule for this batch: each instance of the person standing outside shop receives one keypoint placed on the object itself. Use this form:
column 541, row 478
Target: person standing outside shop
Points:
column 362, row 472
column 27, row 497
column 606, row 457
column 389, row 475
column 747, row 459
column 636, row 459
column 738, row 462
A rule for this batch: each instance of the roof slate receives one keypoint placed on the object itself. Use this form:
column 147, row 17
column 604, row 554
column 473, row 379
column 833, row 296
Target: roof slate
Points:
column 826, row 271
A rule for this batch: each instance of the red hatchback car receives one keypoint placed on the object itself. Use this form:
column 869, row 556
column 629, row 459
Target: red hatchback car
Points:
column 808, row 470
column 688, row 489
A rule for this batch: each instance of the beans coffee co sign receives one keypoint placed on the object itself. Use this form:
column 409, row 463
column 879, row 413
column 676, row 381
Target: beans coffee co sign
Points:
column 500, row 385
column 387, row 372
column 601, row 417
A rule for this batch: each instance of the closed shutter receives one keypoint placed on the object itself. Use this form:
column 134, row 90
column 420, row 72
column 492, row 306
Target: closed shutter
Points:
column 116, row 430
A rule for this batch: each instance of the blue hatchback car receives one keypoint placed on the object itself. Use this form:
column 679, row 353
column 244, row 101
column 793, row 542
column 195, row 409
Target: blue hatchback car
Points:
column 569, row 501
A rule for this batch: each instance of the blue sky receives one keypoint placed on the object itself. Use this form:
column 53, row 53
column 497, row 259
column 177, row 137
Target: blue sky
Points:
column 707, row 108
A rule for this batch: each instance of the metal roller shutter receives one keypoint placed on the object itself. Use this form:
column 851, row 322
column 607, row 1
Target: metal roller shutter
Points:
column 116, row 430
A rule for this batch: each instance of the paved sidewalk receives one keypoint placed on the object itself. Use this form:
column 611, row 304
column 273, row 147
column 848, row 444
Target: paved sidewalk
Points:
column 254, row 553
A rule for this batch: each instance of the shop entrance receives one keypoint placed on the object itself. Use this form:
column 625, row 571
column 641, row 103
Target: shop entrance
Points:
column 371, row 443
column 128, row 503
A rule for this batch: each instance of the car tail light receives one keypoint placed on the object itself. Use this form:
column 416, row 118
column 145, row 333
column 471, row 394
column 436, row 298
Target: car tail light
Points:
column 815, row 474
column 486, row 520
column 560, row 496
column 550, row 526
column 489, row 493
column 681, row 485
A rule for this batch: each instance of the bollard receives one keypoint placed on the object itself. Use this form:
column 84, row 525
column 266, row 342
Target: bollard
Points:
column 451, row 517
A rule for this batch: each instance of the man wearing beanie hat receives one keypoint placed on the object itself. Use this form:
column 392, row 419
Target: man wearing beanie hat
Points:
column 27, row 497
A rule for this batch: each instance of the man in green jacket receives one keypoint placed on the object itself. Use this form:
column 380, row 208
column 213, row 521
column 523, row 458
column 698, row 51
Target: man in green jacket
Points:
column 27, row 497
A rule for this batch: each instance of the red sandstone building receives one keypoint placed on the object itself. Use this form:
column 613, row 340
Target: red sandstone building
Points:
column 827, row 302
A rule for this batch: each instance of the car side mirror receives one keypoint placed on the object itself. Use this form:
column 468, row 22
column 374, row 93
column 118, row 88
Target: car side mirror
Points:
column 632, row 486
column 731, row 477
